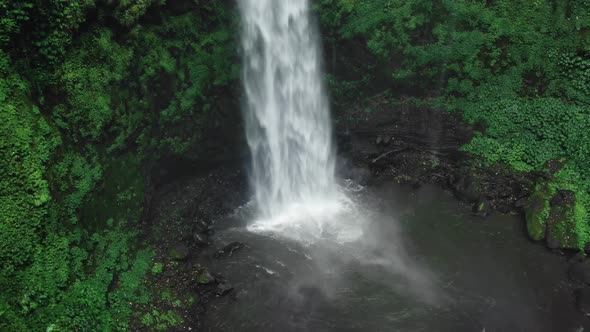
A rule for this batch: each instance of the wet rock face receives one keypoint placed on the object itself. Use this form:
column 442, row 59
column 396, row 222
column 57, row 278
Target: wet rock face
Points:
column 346, row 169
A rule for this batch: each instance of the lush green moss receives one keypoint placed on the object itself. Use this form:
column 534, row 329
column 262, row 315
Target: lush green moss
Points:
column 537, row 212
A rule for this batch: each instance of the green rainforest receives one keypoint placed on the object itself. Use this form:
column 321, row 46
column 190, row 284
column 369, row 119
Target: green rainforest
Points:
column 97, row 95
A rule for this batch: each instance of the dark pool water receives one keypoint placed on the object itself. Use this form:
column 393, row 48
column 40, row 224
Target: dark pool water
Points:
column 424, row 263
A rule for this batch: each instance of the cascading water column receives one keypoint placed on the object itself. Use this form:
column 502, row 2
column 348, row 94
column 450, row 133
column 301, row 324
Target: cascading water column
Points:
column 287, row 120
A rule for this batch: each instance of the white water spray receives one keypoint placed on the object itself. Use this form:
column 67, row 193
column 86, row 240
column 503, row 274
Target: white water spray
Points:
column 288, row 123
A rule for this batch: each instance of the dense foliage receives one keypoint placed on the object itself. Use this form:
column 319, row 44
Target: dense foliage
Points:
column 518, row 69
column 91, row 91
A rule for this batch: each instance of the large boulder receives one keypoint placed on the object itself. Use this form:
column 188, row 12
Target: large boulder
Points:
column 550, row 216
column 536, row 213
column 561, row 228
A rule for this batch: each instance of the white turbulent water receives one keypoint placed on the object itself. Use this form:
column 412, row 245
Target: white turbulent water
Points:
column 288, row 121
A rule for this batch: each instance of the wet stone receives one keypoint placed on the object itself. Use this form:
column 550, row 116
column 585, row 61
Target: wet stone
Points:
column 228, row 250
column 223, row 289
column 205, row 278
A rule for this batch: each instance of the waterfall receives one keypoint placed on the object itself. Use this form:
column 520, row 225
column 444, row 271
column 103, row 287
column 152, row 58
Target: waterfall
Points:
column 287, row 117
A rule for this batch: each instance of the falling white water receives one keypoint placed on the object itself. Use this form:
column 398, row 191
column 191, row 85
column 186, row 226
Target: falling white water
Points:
column 288, row 123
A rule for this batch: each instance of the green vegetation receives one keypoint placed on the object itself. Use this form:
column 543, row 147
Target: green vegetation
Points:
column 160, row 321
column 94, row 93
column 157, row 268
column 518, row 70
column 91, row 94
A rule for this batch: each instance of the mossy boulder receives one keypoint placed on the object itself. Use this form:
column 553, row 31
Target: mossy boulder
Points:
column 537, row 212
column 205, row 278
column 561, row 227
column 550, row 216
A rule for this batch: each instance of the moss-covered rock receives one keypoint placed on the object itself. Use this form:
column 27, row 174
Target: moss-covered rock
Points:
column 537, row 212
column 550, row 216
column 561, row 228
column 205, row 277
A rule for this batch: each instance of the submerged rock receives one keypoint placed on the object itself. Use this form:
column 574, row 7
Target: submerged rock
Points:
column 178, row 251
column 223, row 289
column 228, row 250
